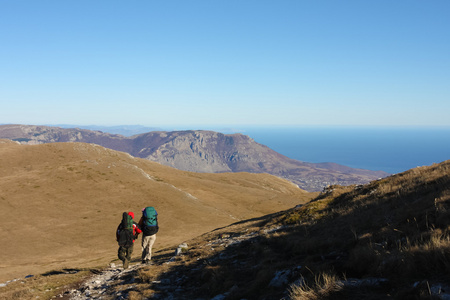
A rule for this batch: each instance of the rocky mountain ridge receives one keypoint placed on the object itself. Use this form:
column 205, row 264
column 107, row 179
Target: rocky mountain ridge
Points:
column 201, row 151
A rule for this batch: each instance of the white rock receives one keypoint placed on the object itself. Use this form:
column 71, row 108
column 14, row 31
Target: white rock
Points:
column 182, row 247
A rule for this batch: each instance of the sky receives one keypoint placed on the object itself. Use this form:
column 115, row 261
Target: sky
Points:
column 225, row 62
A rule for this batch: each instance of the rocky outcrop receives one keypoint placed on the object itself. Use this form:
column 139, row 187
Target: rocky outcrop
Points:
column 201, row 151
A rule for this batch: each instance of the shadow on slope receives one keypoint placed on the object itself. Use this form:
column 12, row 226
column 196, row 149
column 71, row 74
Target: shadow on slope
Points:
column 384, row 240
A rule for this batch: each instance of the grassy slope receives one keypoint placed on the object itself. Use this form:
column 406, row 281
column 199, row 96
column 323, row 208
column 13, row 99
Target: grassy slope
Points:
column 396, row 229
column 61, row 203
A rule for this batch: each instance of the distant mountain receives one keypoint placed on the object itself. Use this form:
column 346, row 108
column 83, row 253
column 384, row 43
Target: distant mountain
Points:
column 201, row 151
column 126, row 130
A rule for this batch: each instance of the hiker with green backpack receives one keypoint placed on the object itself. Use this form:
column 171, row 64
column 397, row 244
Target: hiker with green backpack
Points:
column 126, row 233
column 149, row 225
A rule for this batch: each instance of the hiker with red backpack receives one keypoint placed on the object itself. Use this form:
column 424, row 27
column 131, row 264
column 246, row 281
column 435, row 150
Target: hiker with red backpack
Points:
column 126, row 233
column 149, row 225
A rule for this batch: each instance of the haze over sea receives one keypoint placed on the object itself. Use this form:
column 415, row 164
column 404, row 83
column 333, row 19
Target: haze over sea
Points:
column 389, row 149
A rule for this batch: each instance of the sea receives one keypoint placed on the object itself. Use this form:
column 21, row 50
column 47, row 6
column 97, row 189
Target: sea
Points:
column 381, row 148
column 389, row 149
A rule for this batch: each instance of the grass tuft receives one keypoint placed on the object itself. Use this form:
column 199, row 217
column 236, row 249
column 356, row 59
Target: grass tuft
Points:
column 324, row 286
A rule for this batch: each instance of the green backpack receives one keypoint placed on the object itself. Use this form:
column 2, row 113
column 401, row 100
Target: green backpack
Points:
column 150, row 221
column 126, row 231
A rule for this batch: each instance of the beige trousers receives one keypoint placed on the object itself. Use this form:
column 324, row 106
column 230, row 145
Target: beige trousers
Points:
column 147, row 244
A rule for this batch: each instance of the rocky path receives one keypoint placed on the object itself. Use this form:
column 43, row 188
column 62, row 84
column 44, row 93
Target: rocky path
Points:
column 100, row 286
column 116, row 283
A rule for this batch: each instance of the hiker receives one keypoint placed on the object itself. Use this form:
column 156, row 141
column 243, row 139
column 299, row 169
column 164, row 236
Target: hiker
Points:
column 149, row 225
column 126, row 233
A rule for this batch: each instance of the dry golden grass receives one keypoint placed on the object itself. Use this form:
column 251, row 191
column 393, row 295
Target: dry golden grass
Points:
column 61, row 203
column 324, row 286
column 401, row 237
column 396, row 228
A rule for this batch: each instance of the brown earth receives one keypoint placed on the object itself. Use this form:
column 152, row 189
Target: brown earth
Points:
column 61, row 203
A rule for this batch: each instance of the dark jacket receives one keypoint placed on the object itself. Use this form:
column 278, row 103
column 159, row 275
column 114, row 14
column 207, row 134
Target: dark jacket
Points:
column 136, row 229
column 147, row 230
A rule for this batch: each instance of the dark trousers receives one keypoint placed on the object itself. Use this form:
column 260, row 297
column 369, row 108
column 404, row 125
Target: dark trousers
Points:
column 125, row 253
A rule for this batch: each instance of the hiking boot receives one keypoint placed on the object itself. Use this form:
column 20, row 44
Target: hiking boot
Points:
column 125, row 264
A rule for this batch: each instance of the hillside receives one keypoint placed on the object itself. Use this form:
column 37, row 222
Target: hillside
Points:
column 388, row 239
column 61, row 203
column 202, row 151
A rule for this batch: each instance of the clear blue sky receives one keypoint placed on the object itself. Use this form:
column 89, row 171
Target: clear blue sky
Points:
column 225, row 62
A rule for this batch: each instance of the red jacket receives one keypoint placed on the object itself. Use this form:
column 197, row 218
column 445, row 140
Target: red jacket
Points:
column 136, row 229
